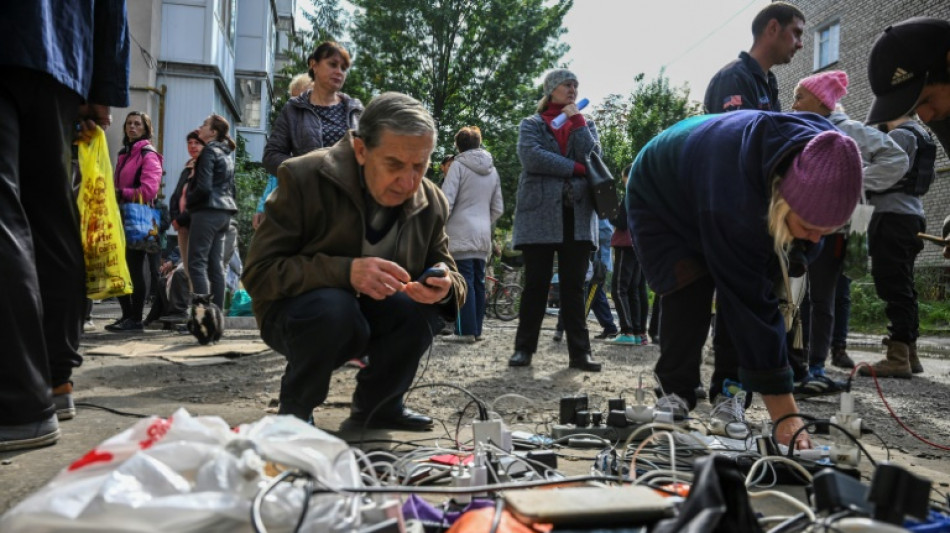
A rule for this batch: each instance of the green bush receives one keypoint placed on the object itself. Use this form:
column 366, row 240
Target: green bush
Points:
column 867, row 310
column 250, row 179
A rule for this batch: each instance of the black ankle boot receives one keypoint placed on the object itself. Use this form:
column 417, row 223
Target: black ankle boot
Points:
column 584, row 362
column 520, row 358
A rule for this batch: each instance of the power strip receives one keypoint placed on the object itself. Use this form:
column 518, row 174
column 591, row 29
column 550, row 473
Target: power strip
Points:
column 606, row 432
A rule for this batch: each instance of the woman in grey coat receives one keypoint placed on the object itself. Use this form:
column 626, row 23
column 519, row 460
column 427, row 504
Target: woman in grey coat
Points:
column 473, row 188
column 555, row 213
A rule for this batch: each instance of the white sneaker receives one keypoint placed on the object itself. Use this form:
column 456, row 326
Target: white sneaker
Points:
column 727, row 417
column 464, row 339
column 88, row 326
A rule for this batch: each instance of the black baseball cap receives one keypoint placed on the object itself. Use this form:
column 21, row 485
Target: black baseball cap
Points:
column 903, row 58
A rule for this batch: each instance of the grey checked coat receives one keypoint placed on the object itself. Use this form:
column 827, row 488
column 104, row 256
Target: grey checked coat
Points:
column 538, row 213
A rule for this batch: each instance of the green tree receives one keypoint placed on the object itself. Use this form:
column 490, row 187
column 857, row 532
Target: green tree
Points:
column 328, row 21
column 249, row 180
column 470, row 62
column 627, row 125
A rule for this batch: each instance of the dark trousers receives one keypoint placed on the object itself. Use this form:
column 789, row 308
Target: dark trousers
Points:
column 572, row 260
column 823, row 275
column 839, row 334
column 320, row 330
column 893, row 246
column 206, row 240
column 472, row 313
column 684, row 326
column 629, row 291
column 42, row 268
column 656, row 315
column 133, row 304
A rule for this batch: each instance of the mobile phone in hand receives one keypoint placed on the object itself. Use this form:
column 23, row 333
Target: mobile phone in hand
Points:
column 431, row 272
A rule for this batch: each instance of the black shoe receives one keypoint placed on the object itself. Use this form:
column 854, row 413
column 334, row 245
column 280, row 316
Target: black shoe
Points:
column 407, row 420
column 606, row 335
column 585, row 362
column 126, row 326
column 520, row 358
column 558, row 335
column 840, row 358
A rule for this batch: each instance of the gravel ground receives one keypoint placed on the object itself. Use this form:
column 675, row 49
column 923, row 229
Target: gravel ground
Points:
column 246, row 388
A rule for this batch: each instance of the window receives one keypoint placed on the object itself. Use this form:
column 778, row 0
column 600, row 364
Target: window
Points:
column 827, row 38
column 225, row 10
column 249, row 102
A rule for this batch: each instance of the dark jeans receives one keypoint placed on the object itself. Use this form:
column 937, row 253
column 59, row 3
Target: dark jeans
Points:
column 839, row 335
column 472, row 313
column 683, row 330
column 823, row 274
column 572, row 260
column 629, row 291
column 320, row 330
column 601, row 308
column 133, row 304
column 893, row 246
column 206, row 237
column 656, row 315
column 42, row 268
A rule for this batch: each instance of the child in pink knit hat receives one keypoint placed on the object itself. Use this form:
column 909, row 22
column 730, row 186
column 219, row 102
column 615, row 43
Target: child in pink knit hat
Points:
column 825, row 87
column 884, row 163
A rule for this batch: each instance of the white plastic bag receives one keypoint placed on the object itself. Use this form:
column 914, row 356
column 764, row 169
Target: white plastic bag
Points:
column 190, row 473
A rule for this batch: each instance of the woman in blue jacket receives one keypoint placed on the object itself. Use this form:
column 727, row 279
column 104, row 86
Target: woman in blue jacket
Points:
column 713, row 202
column 555, row 213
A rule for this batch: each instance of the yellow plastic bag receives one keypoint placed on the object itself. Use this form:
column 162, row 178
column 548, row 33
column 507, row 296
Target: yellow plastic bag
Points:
column 103, row 240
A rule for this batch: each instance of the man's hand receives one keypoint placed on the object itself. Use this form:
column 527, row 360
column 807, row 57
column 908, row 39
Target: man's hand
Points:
column 377, row 278
column 90, row 116
column 433, row 290
column 167, row 267
column 257, row 219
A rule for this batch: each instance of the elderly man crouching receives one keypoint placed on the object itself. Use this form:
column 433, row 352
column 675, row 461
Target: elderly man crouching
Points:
column 331, row 269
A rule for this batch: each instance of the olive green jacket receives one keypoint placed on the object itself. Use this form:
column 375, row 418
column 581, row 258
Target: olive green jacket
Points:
column 314, row 228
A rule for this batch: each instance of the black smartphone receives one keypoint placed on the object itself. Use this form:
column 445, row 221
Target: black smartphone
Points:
column 431, row 272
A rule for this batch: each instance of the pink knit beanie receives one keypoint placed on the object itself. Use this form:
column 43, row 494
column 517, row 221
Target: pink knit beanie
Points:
column 823, row 183
column 828, row 87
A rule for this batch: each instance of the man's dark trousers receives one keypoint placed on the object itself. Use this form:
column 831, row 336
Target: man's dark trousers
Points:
column 320, row 330
column 42, row 267
column 893, row 246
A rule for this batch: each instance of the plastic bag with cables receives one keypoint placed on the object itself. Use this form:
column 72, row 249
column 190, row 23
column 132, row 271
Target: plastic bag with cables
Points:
column 188, row 473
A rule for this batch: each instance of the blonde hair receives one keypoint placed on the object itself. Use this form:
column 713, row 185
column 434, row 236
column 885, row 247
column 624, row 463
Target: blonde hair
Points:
column 778, row 227
column 299, row 84
column 543, row 104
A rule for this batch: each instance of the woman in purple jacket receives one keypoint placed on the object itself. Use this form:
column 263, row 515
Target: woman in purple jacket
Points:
column 138, row 174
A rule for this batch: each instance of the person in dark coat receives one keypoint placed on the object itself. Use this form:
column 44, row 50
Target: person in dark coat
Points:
column 702, row 222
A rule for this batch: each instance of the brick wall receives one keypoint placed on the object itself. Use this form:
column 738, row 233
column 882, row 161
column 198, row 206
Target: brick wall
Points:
column 861, row 22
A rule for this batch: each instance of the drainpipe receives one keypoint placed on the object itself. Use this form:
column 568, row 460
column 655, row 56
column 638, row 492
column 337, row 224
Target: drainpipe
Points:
column 161, row 126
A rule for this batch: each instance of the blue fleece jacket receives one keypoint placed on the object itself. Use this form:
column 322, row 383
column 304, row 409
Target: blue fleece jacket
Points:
column 698, row 199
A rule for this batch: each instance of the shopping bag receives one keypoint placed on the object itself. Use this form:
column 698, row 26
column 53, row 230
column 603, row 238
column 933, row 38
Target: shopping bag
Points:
column 855, row 260
column 240, row 304
column 602, row 187
column 142, row 225
column 103, row 239
column 195, row 474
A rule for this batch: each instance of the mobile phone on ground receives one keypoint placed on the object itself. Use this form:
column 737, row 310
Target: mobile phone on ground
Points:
column 431, row 272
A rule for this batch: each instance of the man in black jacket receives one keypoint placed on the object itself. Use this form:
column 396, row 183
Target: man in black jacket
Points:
column 748, row 82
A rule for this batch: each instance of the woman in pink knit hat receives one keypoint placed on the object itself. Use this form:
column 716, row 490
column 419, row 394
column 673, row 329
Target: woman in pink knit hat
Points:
column 884, row 163
column 713, row 203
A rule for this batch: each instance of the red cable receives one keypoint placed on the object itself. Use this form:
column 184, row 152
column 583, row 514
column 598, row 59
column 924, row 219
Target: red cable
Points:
column 891, row 411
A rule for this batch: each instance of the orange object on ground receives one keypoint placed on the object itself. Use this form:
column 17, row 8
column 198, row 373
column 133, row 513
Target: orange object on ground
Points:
column 480, row 521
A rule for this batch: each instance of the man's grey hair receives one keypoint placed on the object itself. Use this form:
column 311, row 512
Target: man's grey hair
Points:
column 396, row 112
